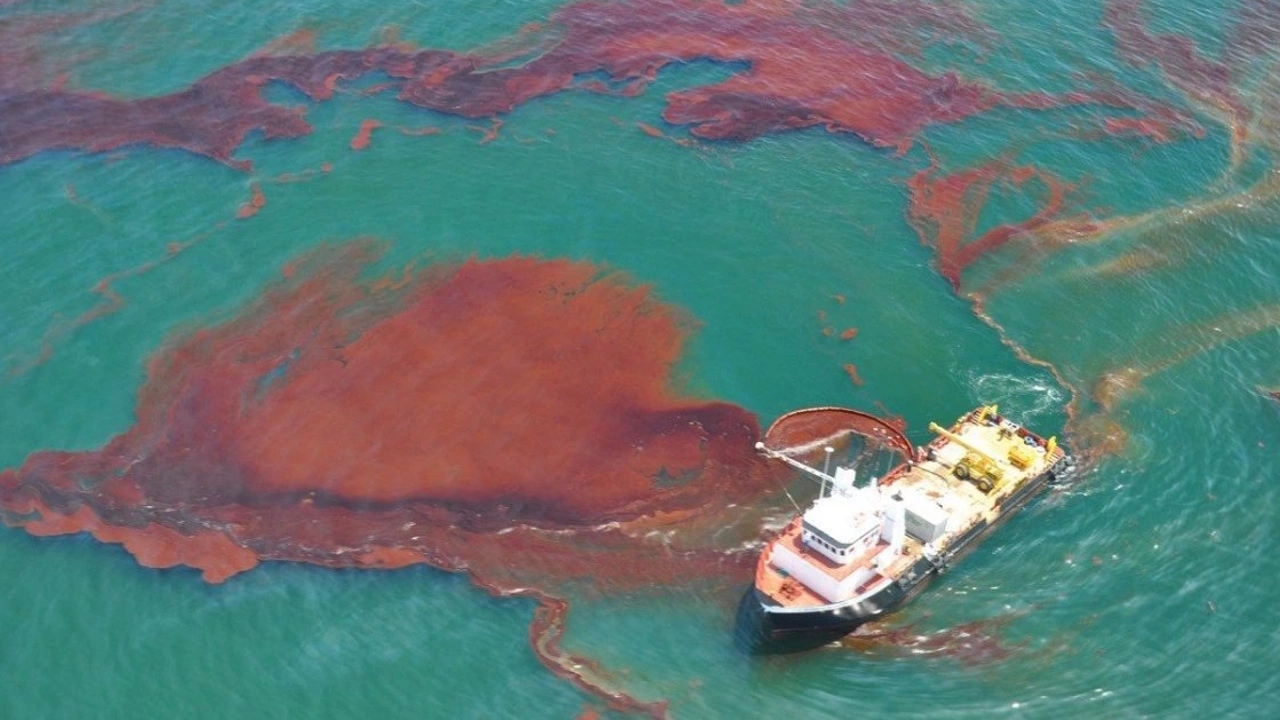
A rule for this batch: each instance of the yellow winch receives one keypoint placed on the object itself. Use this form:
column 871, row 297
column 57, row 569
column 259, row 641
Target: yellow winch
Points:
column 1021, row 456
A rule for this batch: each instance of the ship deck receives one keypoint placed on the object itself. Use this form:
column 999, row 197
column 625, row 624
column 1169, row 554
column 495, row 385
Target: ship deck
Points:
column 792, row 593
column 929, row 481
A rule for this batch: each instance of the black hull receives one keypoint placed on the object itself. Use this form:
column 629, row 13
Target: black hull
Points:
column 764, row 627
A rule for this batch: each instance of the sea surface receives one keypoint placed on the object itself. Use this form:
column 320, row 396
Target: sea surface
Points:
column 1150, row 345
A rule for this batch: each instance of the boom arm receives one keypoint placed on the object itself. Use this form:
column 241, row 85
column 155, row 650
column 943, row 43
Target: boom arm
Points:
column 935, row 427
column 760, row 448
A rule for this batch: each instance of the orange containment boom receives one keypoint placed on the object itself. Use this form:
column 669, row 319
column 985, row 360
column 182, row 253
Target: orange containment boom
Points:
column 802, row 431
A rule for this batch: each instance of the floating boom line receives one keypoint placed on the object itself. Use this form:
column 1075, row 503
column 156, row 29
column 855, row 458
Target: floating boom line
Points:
column 804, row 431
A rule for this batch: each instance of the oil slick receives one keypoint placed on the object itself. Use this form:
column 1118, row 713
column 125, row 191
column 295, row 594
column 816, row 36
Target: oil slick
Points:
column 878, row 98
column 513, row 419
column 254, row 438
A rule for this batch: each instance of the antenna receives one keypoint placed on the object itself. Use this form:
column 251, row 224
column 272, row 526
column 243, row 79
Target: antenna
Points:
column 826, row 470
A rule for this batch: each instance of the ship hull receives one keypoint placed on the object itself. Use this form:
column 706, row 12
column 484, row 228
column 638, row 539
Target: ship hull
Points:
column 766, row 627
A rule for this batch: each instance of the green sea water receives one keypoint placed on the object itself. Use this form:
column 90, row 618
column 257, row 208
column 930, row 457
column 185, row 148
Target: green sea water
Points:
column 1144, row 590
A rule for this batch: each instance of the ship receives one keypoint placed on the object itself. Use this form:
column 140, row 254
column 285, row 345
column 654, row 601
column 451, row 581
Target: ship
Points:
column 863, row 549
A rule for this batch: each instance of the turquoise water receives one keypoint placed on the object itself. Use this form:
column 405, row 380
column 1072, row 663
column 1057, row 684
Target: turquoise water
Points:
column 1145, row 590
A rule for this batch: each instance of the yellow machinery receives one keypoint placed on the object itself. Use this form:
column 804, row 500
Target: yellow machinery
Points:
column 980, row 470
column 1021, row 456
column 976, row 466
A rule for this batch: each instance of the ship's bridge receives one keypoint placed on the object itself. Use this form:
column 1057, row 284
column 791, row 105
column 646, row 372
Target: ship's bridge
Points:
column 844, row 524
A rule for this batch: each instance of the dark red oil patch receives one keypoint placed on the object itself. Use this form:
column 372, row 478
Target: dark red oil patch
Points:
column 840, row 68
column 944, row 210
column 973, row 643
column 1212, row 83
column 257, row 201
column 488, row 134
column 466, row 401
column 852, row 371
column 651, row 131
column 364, row 134
column 1145, row 127
column 511, row 418
column 1176, row 56
column 545, row 633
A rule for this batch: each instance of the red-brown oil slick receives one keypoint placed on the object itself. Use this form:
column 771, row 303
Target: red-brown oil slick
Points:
column 480, row 397
column 944, row 210
column 876, row 95
column 515, row 418
column 511, row 418
column 1211, row 83
column 977, row 642
column 946, row 204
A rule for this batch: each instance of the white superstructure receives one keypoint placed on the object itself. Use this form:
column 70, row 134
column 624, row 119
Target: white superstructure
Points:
column 854, row 541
